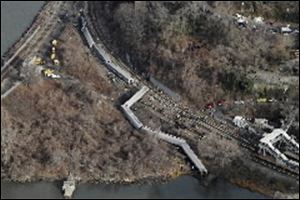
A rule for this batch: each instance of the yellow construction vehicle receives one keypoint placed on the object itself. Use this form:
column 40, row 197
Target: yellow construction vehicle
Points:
column 53, row 56
column 261, row 100
column 49, row 73
column 38, row 61
column 54, row 42
column 53, row 49
column 56, row 62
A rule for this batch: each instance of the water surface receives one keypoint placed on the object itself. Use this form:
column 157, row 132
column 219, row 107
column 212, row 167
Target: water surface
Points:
column 16, row 16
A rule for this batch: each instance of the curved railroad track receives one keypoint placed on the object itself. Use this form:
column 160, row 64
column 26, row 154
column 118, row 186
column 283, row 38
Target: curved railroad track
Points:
column 201, row 119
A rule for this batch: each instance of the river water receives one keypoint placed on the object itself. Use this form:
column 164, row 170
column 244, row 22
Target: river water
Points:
column 15, row 18
column 185, row 187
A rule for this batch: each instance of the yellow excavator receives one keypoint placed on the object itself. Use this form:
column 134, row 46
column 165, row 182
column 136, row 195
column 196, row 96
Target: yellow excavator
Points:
column 49, row 73
column 261, row 100
column 56, row 62
column 54, row 42
column 38, row 61
column 53, row 56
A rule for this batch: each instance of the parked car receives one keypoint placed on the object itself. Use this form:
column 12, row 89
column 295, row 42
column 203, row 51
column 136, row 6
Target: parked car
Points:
column 209, row 106
column 221, row 102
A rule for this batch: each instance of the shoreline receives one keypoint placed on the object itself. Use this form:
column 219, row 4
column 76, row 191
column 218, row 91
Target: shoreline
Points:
column 159, row 178
column 147, row 181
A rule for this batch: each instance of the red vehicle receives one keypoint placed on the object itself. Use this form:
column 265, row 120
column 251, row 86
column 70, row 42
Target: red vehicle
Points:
column 209, row 106
column 221, row 102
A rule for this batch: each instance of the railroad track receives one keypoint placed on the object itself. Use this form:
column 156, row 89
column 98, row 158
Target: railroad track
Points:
column 43, row 31
column 202, row 119
column 33, row 43
column 275, row 167
column 249, row 148
column 245, row 145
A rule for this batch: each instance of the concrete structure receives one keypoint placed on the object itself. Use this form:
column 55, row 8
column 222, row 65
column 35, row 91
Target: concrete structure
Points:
column 69, row 187
column 268, row 142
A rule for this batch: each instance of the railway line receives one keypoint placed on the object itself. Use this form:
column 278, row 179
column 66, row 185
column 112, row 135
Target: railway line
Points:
column 246, row 145
column 38, row 35
column 33, row 43
column 250, row 148
column 201, row 119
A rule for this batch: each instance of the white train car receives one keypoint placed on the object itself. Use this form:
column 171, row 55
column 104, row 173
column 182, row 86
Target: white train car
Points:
column 131, row 117
column 122, row 73
column 87, row 33
column 137, row 96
